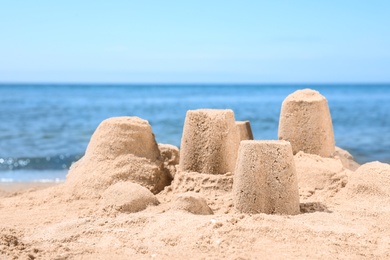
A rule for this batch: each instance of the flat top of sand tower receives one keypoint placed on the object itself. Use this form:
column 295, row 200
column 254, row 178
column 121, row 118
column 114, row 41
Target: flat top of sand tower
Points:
column 210, row 111
column 242, row 122
column 305, row 95
column 265, row 142
column 126, row 120
column 209, row 114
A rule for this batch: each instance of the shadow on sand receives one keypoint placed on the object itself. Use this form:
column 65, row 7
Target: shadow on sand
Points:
column 311, row 207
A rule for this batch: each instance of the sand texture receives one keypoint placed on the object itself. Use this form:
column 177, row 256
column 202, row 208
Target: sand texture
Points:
column 244, row 130
column 265, row 179
column 121, row 149
column 127, row 198
column 306, row 123
column 210, row 142
column 348, row 217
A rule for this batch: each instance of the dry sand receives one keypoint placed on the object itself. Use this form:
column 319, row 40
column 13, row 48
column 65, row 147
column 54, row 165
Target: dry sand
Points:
column 210, row 141
column 305, row 121
column 9, row 189
column 344, row 215
column 265, row 179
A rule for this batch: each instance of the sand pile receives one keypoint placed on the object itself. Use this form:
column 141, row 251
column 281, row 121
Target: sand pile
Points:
column 369, row 186
column 121, row 149
column 192, row 202
column 127, row 197
column 319, row 178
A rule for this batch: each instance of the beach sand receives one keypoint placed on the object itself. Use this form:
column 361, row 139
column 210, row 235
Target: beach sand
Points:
column 8, row 189
column 336, row 221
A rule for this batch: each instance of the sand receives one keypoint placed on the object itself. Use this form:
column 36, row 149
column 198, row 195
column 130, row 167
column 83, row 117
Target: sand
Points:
column 210, row 141
column 244, row 130
column 305, row 121
column 8, row 189
column 265, row 179
column 345, row 218
column 112, row 206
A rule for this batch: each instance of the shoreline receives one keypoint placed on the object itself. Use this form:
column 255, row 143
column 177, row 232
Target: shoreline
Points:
column 15, row 188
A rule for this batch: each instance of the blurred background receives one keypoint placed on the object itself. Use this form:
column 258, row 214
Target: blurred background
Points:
column 67, row 66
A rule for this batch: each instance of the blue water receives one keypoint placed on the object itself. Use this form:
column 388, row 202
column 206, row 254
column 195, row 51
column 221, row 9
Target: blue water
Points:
column 44, row 128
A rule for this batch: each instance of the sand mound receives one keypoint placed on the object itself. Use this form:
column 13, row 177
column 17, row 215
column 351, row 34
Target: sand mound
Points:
column 121, row 149
column 193, row 203
column 319, row 178
column 128, row 197
column 371, row 182
column 306, row 123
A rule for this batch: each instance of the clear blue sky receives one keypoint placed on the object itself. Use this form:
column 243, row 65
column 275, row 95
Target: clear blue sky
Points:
column 195, row 41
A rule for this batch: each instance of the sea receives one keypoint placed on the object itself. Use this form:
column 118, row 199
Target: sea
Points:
column 44, row 128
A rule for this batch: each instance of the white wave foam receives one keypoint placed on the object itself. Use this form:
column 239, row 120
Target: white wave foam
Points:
column 6, row 180
column 56, row 180
column 9, row 180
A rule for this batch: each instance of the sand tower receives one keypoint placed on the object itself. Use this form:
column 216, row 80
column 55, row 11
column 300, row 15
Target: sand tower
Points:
column 210, row 142
column 265, row 178
column 244, row 130
column 306, row 123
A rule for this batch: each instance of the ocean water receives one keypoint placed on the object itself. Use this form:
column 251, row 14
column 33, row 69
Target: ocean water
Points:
column 44, row 128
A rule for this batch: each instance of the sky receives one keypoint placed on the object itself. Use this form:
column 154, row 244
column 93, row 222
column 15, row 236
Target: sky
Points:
column 195, row 41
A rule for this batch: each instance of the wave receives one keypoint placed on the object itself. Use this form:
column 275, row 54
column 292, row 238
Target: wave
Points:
column 26, row 175
column 57, row 162
column 10, row 180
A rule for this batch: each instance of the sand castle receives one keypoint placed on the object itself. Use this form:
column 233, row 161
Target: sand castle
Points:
column 306, row 123
column 119, row 202
column 261, row 175
column 265, row 180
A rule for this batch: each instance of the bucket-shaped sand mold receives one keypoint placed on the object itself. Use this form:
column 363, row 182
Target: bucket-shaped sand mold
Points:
column 244, row 130
column 265, row 179
column 306, row 123
column 210, row 142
